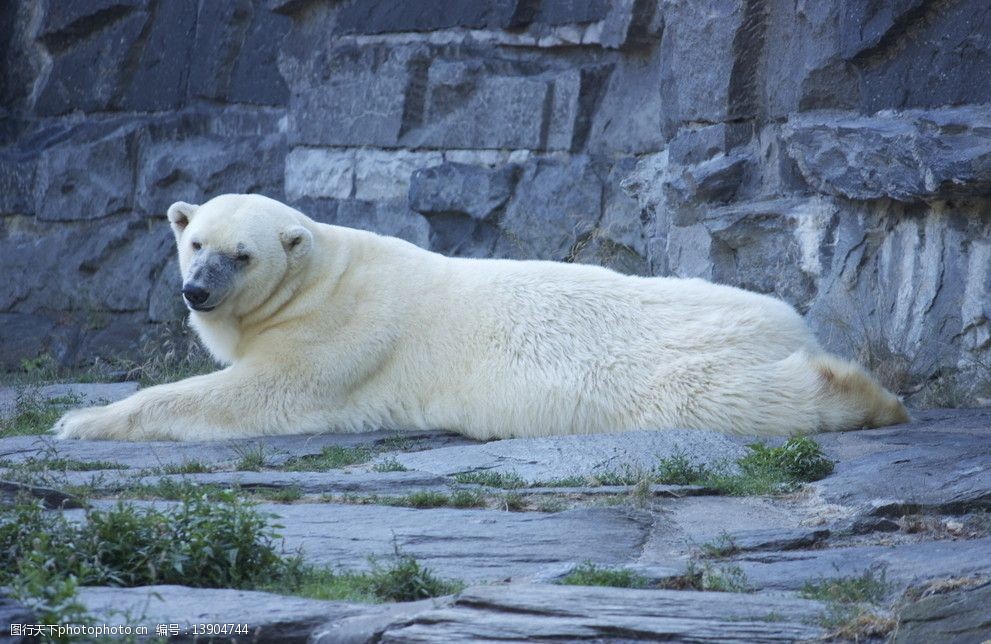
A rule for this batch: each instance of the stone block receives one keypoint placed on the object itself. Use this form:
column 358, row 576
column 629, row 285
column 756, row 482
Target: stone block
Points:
column 770, row 247
column 930, row 55
column 165, row 303
column 88, row 44
column 17, row 184
column 199, row 168
column 358, row 96
column 557, row 204
column 318, row 172
column 695, row 145
column 701, row 37
column 457, row 92
column 385, row 174
column 909, row 156
column 86, row 179
column 153, row 75
column 392, row 218
column 463, row 189
column 620, row 240
column 622, row 108
column 236, row 46
column 394, row 16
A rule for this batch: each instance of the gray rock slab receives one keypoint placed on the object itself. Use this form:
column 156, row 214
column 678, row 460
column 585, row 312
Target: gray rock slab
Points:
column 568, row 613
column 555, row 457
column 276, row 449
column 333, row 482
column 686, row 524
column 772, row 539
column 658, row 490
column 961, row 616
column 10, row 491
column 269, row 617
column 469, row 545
column 368, row 626
column 939, row 463
column 82, row 394
column 903, row 565
column 906, row 156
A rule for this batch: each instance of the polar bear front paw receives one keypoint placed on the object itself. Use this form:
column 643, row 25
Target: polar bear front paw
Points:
column 93, row 423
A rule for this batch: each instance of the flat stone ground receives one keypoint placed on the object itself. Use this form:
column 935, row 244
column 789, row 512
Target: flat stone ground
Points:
column 907, row 505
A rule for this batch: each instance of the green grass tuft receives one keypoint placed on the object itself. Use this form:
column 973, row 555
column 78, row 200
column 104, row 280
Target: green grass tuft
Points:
column 722, row 546
column 589, row 574
column 404, row 579
column 800, row 459
column 848, row 590
column 422, row 499
column 331, row 458
column 34, row 415
column 186, row 467
column 277, row 494
column 763, row 470
column 199, row 542
column 467, row 499
column 851, row 604
column 506, row 481
column 726, row 579
column 389, row 465
column 252, row 457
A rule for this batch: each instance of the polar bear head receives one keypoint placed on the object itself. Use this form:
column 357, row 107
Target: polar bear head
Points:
column 236, row 251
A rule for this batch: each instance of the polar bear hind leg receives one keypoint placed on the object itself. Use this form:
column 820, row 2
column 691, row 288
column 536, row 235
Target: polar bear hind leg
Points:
column 801, row 394
column 852, row 398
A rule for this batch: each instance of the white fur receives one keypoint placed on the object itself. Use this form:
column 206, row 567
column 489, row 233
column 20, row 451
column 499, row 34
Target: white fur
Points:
column 355, row 331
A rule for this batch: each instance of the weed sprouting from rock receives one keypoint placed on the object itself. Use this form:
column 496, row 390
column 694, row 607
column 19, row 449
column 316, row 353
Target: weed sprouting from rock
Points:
column 589, row 574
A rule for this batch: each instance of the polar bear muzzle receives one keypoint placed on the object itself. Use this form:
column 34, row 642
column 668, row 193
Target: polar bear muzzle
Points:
column 211, row 277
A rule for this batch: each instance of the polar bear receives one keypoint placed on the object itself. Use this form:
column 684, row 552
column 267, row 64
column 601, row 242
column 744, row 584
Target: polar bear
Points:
column 325, row 328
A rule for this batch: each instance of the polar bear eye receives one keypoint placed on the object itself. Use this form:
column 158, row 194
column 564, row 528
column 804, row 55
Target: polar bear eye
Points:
column 243, row 257
column 196, row 245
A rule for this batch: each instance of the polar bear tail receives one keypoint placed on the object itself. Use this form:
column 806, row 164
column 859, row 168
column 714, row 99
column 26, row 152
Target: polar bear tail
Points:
column 851, row 398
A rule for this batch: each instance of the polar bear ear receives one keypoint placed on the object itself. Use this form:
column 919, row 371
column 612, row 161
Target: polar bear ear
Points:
column 180, row 213
column 297, row 241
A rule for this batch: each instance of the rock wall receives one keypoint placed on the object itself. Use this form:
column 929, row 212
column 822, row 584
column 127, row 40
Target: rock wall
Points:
column 836, row 154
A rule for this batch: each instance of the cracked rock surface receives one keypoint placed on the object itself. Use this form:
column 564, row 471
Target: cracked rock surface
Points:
column 905, row 507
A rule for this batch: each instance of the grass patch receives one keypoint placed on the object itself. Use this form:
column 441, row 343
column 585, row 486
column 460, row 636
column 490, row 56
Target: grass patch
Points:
column 503, row 480
column 725, row 579
column 289, row 494
column 467, row 499
column 58, row 464
column 763, row 470
column 331, row 458
column 513, row 502
column 867, row 588
column 403, row 579
column 851, row 604
column 423, row 499
column 187, row 467
column 175, row 490
column 203, row 541
column 588, row 574
column 252, row 457
column 199, row 542
column 679, row 470
column 722, row 546
column 800, row 459
column 389, row 465
column 34, row 415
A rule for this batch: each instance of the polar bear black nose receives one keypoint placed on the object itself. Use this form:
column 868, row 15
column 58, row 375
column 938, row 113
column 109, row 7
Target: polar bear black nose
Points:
column 195, row 295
